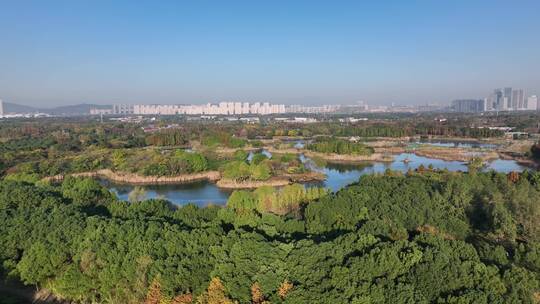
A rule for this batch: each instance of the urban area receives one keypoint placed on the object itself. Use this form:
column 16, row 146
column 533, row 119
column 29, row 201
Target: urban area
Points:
column 505, row 99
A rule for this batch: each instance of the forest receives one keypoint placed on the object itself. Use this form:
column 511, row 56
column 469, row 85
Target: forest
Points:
column 421, row 237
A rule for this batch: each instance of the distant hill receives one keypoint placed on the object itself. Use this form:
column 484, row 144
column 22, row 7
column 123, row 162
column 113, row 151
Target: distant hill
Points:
column 17, row 108
column 62, row 110
column 72, row 109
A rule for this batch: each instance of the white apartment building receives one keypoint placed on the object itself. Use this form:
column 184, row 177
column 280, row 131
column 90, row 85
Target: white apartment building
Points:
column 222, row 108
column 532, row 103
column 123, row 109
column 101, row 111
column 313, row 109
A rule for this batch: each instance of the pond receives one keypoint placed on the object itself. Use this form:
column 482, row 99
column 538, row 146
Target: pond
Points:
column 338, row 176
column 199, row 193
column 341, row 175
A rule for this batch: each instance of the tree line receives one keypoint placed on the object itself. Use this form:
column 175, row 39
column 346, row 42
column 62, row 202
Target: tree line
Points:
column 339, row 146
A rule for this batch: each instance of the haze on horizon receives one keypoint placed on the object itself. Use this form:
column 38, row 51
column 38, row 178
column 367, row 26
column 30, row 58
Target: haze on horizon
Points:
column 307, row 52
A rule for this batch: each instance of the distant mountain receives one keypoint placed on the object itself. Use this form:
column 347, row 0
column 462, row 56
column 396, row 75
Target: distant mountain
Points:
column 62, row 110
column 17, row 108
column 73, row 109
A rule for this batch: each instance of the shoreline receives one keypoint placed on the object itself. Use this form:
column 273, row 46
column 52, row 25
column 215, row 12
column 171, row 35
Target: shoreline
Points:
column 232, row 184
column 455, row 154
column 135, row 179
column 347, row 158
column 336, row 158
column 526, row 162
column 276, row 181
column 210, row 176
column 385, row 150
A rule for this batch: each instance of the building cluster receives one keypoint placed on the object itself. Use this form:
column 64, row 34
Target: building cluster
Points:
column 505, row 99
column 241, row 108
column 508, row 99
column 312, row 109
column 468, row 105
column 222, row 108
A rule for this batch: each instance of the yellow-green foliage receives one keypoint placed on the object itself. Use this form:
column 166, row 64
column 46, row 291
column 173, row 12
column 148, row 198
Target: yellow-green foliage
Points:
column 275, row 200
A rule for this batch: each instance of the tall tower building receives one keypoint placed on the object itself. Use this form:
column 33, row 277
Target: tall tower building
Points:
column 1, row 107
column 496, row 100
column 507, row 98
column 518, row 102
column 488, row 104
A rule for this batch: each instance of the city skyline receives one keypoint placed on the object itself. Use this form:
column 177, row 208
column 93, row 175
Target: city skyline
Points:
column 487, row 98
column 303, row 53
column 501, row 98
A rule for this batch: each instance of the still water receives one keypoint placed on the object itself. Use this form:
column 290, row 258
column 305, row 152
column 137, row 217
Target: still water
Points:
column 199, row 193
column 338, row 176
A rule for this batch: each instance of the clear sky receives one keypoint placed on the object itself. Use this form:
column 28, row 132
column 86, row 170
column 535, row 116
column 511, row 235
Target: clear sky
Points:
column 312, row 52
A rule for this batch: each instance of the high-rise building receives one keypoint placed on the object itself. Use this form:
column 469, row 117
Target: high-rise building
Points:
column 496, row 101
column 507, row 98
column 518, row 101
column 1, row 107
column 488, row 104
column 532, row 103
column 468, row 105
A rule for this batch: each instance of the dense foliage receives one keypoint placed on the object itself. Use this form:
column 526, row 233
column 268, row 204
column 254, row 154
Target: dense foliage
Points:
column 287, row 200
column 171, row 137
column 222, row 139
column 140, row 161
column 339, row 146
column 161, row 164
column 431, row 237
column 259, row 166
column 242, row 171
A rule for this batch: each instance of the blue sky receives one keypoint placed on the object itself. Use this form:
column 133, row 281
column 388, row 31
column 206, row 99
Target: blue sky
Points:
column 334, row 52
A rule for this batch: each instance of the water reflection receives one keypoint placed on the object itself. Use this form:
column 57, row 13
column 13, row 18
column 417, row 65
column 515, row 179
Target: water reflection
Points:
column 341, row 175
column 199, row 193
